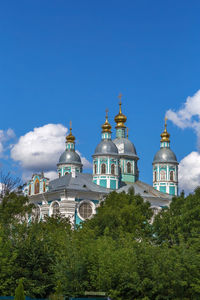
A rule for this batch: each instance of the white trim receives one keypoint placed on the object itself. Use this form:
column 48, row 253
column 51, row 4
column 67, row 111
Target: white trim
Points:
column 51, row 207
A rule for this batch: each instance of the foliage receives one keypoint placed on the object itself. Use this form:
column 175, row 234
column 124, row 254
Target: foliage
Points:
column 19, row 292
column 118, row 252
column 121, row 213
column 179, row 222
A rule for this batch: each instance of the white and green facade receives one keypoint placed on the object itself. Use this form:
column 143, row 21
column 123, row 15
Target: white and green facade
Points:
column 165, row 167
column 76, row 194
column 128, row 168
column 106, row 161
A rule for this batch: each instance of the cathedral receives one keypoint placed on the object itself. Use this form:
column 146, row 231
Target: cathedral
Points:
column 76, row 195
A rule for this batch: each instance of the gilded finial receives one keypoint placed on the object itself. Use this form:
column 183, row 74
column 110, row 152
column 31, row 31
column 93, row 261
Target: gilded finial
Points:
column 120, row 119
column 106, row 127
column 165, row 135
column 70, row 138
column 120, row 102
column 166, row 122
column 106, row 113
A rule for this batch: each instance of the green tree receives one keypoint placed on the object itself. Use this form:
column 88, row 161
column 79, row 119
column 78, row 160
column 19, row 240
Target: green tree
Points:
column 180, row 221
column 14, row 209
column 119, row 213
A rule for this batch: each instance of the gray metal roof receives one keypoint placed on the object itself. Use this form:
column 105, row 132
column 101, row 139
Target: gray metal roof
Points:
column 165, row 155
column 106, row 147
column 70, row 157
column 145, row 190
column 125, row 147
column 81, row 182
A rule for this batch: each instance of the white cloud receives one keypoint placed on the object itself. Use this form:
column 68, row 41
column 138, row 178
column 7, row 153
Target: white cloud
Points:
column 85, row 162
column 40, row 149
column 189, row 117
column 51, row 175
column 189, row 172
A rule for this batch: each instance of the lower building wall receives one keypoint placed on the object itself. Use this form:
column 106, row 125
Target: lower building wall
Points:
column 128, row 178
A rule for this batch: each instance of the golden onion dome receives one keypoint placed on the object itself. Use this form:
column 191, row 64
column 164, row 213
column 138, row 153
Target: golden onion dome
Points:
column 120, row 119
column 165, row 135
column 106, row 127
column 70, row 138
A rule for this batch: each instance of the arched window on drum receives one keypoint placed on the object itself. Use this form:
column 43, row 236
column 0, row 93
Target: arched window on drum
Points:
column 129, row 169
column 154, row 176
column 113, row 169
column 171, row 175
column 162, row 175
column 95, row 169
column 103, row 169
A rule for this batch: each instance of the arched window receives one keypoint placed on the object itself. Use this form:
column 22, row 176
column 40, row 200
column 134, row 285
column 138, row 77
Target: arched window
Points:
column 44, row 187
column 95, row 169
column 162, row 175
column 37, row 186
column 35, row 216
column 129, row 167
column 59, row 174
column 113, row 169
column 103, row 169
column 155, row 176
column 85, row 210
column 29, row 189
column 55, row 209
column 171, row 175
column 66, row 173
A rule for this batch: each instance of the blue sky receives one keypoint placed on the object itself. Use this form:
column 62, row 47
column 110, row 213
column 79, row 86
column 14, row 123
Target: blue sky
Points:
column 69, row 60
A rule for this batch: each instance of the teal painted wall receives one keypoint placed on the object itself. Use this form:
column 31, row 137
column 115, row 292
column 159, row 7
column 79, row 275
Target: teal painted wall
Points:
column 120, row 133
column 113, row 184
column 172, row 190
column 103, row 182
column 128, row 178
column 78, row 221
column 163, row 189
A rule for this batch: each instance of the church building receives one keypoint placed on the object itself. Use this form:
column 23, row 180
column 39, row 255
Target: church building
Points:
column 76, row 195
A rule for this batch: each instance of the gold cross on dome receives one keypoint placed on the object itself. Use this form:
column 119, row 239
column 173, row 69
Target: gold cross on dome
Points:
column 70, row 124
column 166, row 121
column 106, row 112
column 120, row 97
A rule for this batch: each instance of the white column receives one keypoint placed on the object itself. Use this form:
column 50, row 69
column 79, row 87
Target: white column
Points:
column 108, row 160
